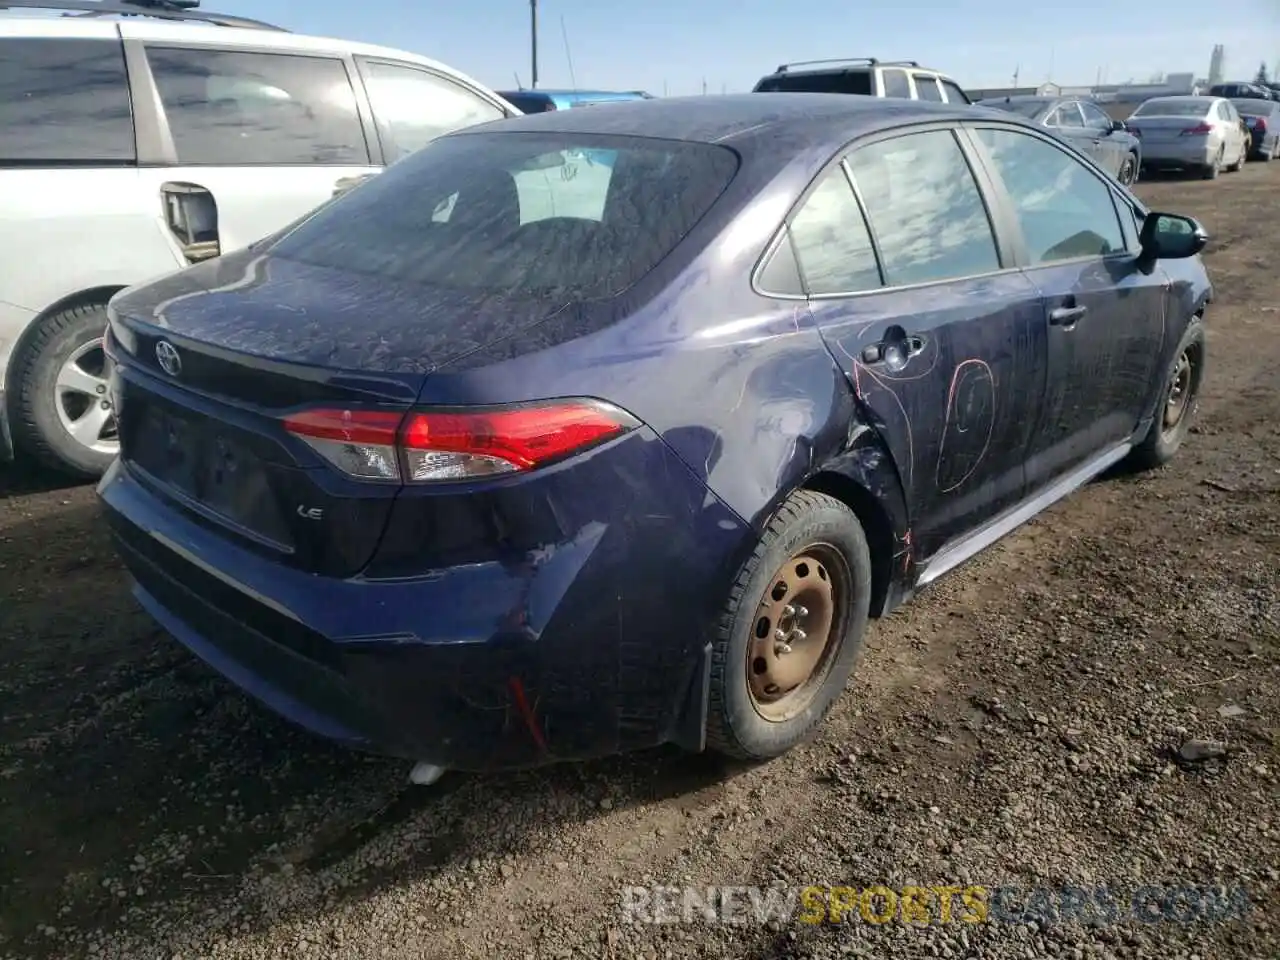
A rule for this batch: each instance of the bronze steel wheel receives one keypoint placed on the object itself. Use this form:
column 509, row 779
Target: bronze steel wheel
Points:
column 790, row 630
column 1178, row 402
column 798, row 623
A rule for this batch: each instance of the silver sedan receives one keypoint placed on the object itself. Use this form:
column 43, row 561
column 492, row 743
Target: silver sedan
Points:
column 1202, row 134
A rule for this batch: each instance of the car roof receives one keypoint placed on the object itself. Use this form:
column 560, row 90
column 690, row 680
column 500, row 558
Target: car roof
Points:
column 805, row 119
column 144, row 28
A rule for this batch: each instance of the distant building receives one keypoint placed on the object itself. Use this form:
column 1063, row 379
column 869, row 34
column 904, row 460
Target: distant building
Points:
column 1217, row 64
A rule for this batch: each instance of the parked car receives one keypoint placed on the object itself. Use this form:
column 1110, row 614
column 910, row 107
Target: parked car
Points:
column 1262, row 117
column 133, row 147
column 864, row 76
column 1204, row 134
column 1085, row 126
column 1242, row 90
column 540, row 100
column 447, row 473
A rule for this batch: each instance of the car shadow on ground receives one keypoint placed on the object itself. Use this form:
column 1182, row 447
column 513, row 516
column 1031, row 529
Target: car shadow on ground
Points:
column 21, row 479
column 134, row 778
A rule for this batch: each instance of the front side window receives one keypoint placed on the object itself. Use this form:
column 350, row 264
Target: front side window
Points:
column 519, row 214
column 831, row 240
column 64, row 101
column 1095, row 119
column 1067, row 115
column 895, row 84
column 1064, row 209
column 953, row 92
column 412, row 107
column 232, row 108
column 925, row 209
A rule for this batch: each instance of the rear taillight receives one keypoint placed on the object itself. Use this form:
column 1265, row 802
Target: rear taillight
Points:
column 1259, row 125
column 1199, row 130
column 425, row 446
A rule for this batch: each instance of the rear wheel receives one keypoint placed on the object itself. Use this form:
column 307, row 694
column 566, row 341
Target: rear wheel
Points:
column 63, row 415
column 1240, row 161
column 1212, row 170
column 1180, row 400
column 791, row 629
column 1128, row 171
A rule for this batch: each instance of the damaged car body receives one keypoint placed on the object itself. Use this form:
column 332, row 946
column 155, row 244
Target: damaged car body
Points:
column 514, row 456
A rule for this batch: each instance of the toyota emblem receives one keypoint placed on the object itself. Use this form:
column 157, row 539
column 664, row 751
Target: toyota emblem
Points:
column 167, row 357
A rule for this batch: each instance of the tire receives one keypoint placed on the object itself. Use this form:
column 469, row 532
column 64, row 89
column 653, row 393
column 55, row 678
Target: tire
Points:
column 52, row 397
column 1128, row 174
column 1163, row 440
column 812, row 540
column 1239, row 164
column 1212, row 170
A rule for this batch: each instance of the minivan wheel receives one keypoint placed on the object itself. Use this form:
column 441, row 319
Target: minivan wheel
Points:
column 1180, row 400
column 63, row 415
column 791, row 630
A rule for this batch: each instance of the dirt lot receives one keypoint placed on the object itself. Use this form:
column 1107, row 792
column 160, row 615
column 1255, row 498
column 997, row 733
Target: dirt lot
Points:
column 1014, row 726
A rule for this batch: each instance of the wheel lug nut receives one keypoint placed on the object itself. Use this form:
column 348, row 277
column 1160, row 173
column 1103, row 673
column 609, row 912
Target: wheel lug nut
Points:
column 780, row 635
column 798, row 636
column 802, row 611
column 780, row 648
column 788, row 611
column 101, row 388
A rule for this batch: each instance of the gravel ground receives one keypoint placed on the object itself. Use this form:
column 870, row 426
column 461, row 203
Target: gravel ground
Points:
column 1021, row 724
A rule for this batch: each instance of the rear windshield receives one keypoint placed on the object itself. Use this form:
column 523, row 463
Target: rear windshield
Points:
column 1172, row 108
column 526, row 104
column 1254, row 108
column 842, row 81
column 1024, row 108
column 521, row 214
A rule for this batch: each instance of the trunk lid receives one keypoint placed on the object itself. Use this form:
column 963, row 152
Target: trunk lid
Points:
column 208, row 360
column 1157, row 129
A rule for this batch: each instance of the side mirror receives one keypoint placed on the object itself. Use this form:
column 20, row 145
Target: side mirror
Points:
column 1118, row 126
column 1168, row 236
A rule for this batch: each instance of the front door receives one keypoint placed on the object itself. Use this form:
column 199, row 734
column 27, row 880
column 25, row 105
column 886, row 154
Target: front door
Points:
column 266, row 136
column 942, row 347
column 1102, row 316
column 1110, row 151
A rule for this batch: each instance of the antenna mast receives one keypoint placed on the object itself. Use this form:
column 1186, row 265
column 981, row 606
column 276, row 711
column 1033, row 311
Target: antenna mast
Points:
column 533, row 44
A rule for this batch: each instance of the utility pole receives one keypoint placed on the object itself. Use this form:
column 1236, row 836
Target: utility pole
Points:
column 533, row 44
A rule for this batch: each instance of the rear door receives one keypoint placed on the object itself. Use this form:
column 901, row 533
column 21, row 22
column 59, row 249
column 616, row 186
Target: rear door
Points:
column 927, row 87
column 1102, row 316
column 252, row 139
column 1109, row 151
column 942, row 346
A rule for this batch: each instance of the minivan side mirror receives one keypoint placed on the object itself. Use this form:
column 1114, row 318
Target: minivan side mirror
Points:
column 1169, row 236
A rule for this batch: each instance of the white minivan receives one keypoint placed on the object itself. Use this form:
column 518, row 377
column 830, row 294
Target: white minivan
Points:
column 140, row 136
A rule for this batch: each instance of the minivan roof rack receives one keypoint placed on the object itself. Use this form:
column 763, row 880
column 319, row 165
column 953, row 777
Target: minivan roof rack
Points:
column 161, row 9
column 864, row 61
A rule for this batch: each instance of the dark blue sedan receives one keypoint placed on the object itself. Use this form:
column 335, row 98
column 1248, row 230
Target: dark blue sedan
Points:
column 509, row 457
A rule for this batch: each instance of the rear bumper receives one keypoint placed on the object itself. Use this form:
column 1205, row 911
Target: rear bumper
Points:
column 598, row 647
column 1177, row 154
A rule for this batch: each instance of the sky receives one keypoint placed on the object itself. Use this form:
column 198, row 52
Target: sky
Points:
column 674, row 45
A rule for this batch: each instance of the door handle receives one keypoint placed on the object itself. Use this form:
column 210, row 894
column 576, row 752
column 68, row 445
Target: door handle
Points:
column 1066, row 317
column 893, row 353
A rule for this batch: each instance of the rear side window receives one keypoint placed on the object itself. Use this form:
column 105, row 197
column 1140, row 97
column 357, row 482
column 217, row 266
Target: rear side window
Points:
column 526, row 104
column 64, row 101
column 857, row 82
column 927, row 87
column 925, row 209
column 412, row 107
column 1068, row 115
column 230, row 108
column 895, row 84
column 520, row 214
column 831, row 240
